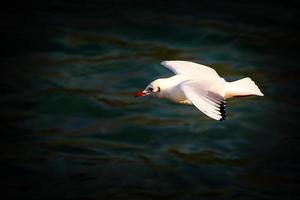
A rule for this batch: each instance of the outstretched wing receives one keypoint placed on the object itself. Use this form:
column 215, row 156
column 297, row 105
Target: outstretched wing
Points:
column 206, row 96
column 191, row 69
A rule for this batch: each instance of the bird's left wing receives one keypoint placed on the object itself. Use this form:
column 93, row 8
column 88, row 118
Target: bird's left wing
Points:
column 206, row 96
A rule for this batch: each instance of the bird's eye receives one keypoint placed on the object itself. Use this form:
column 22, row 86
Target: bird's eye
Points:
column 150, row 89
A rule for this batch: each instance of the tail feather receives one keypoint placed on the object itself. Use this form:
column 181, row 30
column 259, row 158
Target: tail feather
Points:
column 242, row 87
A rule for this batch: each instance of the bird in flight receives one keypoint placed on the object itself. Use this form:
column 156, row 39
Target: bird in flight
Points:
column 201, row 86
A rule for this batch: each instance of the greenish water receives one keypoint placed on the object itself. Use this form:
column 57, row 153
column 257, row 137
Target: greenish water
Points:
column 72, row 128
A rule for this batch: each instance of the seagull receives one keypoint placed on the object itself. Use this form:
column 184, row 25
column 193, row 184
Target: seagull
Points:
column 201, row 86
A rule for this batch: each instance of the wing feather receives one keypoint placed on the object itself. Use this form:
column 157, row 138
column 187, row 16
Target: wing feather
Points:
column 209, row 102
column 191, row 69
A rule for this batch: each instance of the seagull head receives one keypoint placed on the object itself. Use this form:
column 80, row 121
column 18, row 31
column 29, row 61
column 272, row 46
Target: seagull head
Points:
column 154, row 88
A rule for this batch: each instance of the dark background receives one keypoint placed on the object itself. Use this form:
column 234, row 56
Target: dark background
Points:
column 71, row 130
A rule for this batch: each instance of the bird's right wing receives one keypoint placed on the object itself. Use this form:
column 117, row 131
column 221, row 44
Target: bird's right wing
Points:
column 191, row 69
column 205, row 95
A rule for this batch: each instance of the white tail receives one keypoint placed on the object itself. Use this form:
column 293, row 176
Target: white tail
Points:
column 242, row 87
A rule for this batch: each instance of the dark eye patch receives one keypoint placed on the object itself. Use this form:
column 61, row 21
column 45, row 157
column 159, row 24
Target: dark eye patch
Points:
column 150, row 89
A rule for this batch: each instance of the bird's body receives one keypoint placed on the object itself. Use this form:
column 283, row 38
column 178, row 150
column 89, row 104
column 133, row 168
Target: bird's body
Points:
column 170, row 88
column 201, row 86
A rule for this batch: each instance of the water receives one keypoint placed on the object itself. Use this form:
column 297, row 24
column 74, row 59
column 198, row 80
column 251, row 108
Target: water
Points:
column 71, row 128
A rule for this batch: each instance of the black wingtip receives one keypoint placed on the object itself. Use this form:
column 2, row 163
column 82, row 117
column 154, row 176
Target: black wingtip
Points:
column 223, row 110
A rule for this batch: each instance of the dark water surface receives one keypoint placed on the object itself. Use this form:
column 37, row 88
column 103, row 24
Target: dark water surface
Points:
column 71, row 128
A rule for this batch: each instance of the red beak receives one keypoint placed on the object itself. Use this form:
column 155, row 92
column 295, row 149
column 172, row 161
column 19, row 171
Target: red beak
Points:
column 141, row 94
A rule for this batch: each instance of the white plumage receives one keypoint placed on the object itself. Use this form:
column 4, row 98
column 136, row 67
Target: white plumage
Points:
column 201, row 86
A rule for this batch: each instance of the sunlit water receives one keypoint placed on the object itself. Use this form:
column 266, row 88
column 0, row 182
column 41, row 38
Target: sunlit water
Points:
column 72, row 128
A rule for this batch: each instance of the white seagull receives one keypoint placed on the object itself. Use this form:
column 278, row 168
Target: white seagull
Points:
column 201, row 86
